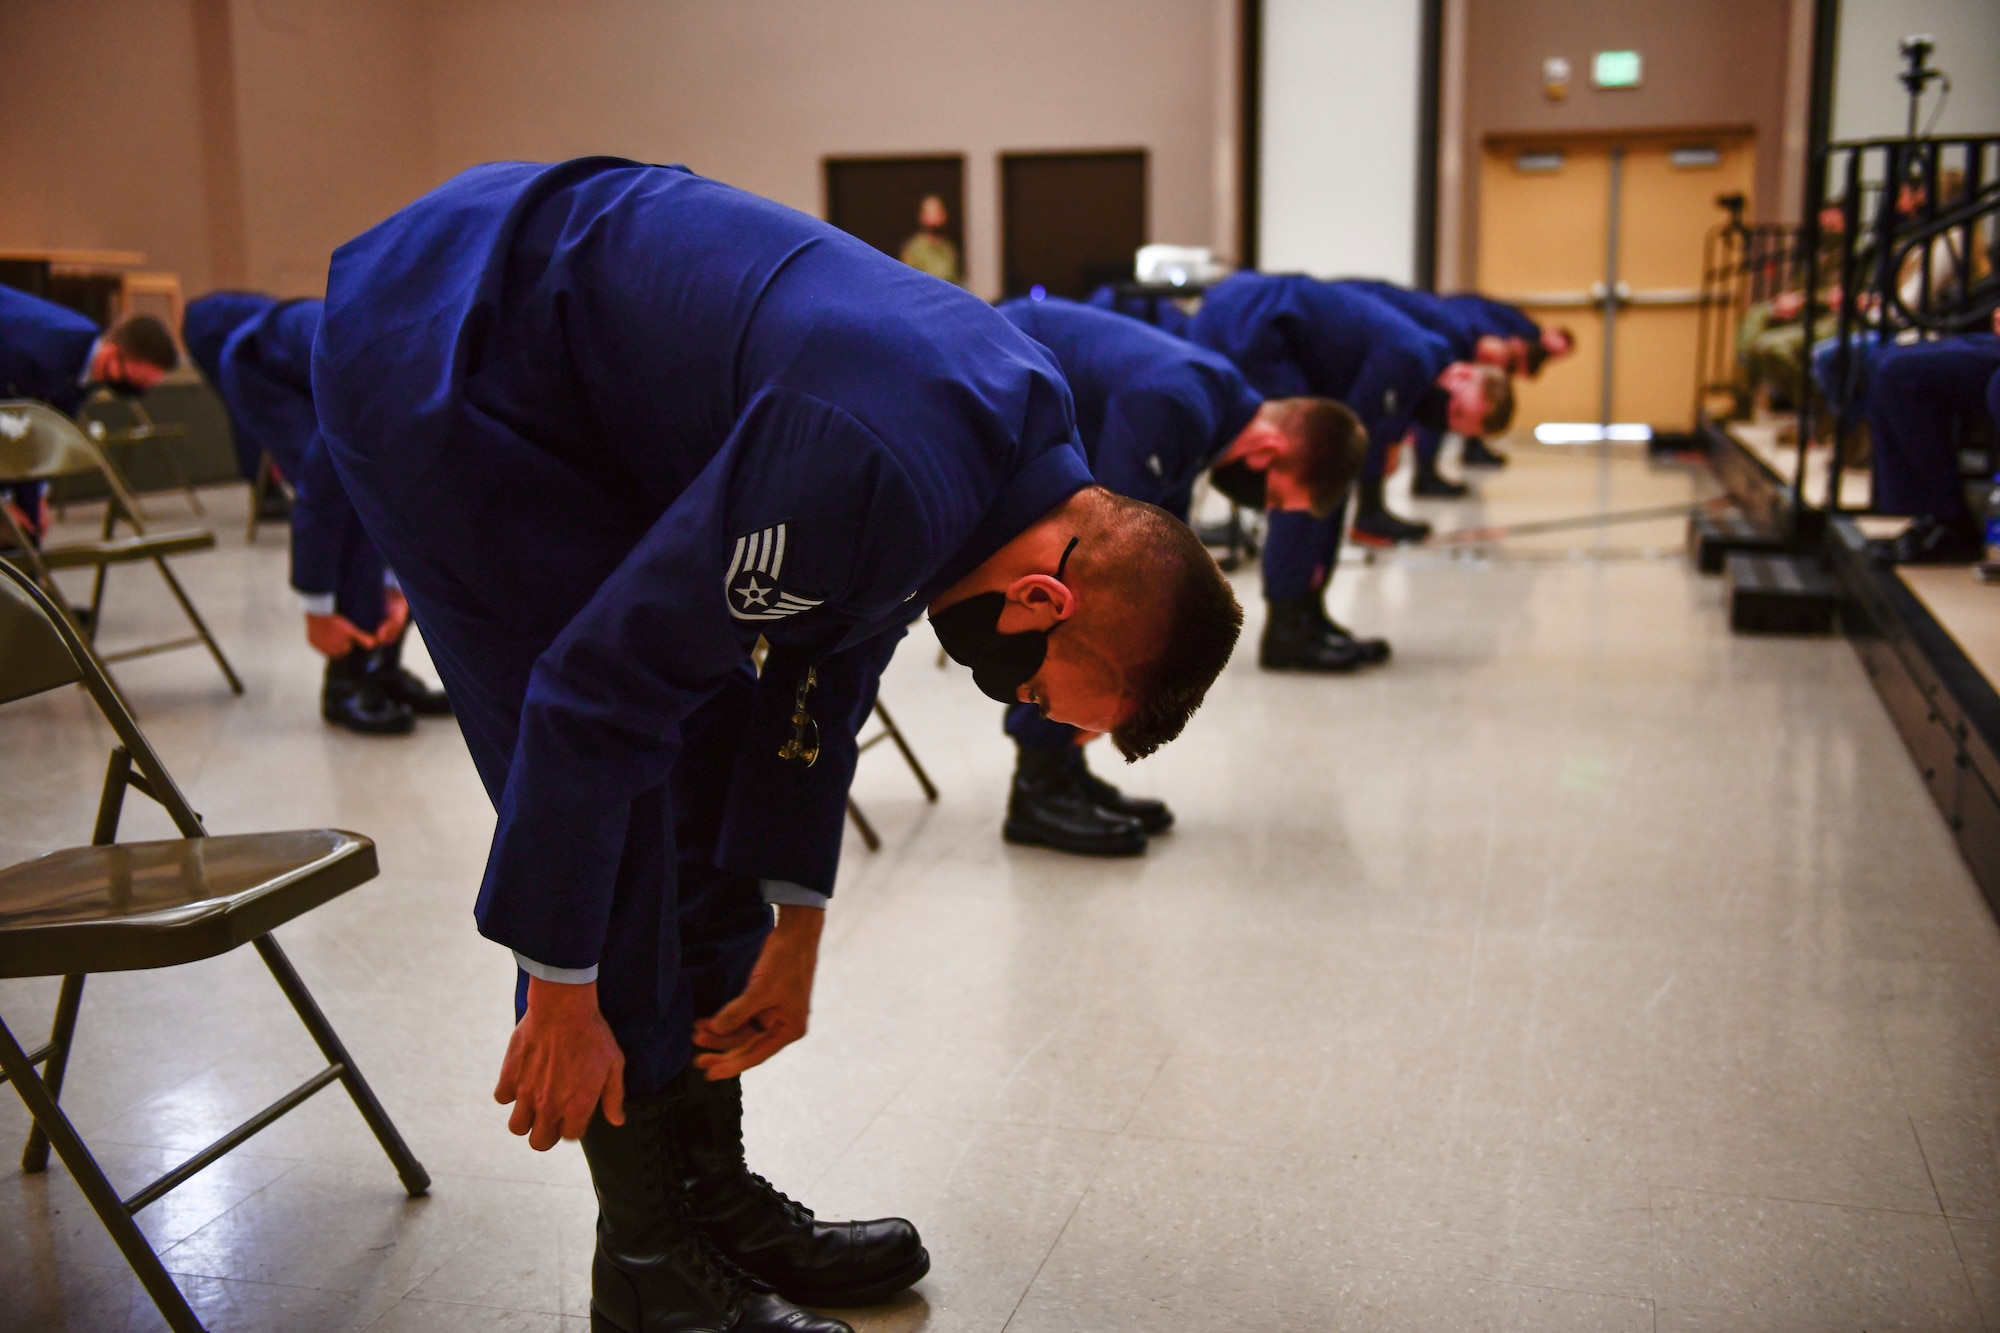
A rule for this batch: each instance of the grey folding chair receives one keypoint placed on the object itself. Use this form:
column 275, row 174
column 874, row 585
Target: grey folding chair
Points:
column 139, row 446
column 38, row 443
column 112, row 907
column 894, row 734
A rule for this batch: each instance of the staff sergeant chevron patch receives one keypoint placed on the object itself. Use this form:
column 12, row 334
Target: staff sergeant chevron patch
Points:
column 751, row 585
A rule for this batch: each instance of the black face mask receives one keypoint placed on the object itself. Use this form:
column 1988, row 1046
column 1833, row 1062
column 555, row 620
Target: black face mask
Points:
column 1001, row 664
column 1434, row 408
column 1241, row 483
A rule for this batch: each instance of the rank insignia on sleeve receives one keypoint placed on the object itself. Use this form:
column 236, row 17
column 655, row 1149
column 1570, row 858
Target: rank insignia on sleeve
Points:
column 751, row 586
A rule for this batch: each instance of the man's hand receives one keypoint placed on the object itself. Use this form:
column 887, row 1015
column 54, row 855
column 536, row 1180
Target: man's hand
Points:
column 395, row 616
column 771, row 1012
column 561, row 1061
column 335, row 636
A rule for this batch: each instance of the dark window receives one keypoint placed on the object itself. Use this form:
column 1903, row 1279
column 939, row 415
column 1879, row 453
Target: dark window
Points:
column 876, row 198
column 1071, row 222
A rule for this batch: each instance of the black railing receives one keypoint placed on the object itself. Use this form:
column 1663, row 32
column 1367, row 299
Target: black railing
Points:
column 1914, row 255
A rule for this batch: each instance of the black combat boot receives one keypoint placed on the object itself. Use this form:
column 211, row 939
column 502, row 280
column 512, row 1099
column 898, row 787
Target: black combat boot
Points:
column 352, row 697
column 1478, row 453
column 1295, row 639
column 775, row 1240
column 1153, row 816
column 1374, row 525
column 654, row 1272
column 1373, row 652
column 1050, row 807
column 1432, row 483
column 405, row 686
column 1954, row 539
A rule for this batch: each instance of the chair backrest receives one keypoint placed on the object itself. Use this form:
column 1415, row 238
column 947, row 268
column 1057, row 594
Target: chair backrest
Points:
column 38, row 443
column 40, row 651
column 33, row 658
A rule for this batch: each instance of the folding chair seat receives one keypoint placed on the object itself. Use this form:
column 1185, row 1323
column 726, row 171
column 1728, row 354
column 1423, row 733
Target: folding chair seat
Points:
column 125, row 906
column 38, row 443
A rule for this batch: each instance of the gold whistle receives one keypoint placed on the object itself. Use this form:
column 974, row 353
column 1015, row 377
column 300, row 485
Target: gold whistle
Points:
column 797, row 749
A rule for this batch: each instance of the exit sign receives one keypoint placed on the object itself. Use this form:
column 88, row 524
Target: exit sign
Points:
column 1615, row 69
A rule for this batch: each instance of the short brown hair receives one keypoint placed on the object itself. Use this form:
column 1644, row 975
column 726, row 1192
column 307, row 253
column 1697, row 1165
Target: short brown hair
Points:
column 1152, row 559
column 1499, row 401
column 144, row 338
column 1331, row 444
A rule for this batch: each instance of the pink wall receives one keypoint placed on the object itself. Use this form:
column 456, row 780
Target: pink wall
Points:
column 100, row 130
column 756, row 92
column 345, row 109
column 333, row 113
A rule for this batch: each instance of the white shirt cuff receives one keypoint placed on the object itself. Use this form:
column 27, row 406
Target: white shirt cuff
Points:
column 317, row 603
column 784, row 893
column 566, row 976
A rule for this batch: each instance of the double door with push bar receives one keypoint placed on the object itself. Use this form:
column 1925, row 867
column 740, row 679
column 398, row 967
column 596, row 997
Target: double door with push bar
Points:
column 1603, row 236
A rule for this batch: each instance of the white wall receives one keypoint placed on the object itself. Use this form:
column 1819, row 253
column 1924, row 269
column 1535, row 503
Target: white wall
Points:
column 1338, row 176
column 1868, row 102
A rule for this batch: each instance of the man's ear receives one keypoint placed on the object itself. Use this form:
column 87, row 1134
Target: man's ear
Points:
column 1046, row 599
column 1266, row 447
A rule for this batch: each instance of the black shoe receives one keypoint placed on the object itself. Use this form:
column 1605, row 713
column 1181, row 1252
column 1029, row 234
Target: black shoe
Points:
column 1930, row 540
column 775, row 1240
column 1295, row 639
column 1432, row 483
column 1374, row 525
column 654, row 1270
column 1477, row 453
column 1153, row 816
column 352, row 697
column 1050, row 807
column 405, row 686
column 1373, row 652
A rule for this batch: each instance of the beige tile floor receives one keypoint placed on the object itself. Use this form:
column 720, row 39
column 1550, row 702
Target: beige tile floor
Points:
column 1587, row 968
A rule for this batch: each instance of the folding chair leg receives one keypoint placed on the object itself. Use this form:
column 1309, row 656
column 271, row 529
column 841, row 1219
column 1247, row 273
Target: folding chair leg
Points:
column 89, row 1177
column 866, row 829
column 415, row 1179
column 909, row 755
column 201, row 628
column 35, row 1157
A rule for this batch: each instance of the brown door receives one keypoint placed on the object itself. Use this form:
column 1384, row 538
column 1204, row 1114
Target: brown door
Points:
column 877, row 198
column 1070, row 222
column 1546, row 230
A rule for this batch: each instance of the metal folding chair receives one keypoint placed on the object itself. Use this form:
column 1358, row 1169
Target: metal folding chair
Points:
column 267, row 480
column 38, row 443
column 894, row 734
column 128, row 435
column 119, row 907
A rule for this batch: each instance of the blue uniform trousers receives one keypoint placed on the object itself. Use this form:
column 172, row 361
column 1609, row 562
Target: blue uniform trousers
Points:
column 1429, row 442
column 329, row 546
column 1916, row 395
column 662, row 969
column 1300, row 552
column 1032, row 731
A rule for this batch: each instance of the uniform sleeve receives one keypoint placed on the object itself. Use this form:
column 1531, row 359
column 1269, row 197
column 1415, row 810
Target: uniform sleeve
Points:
column 1385, row 393
column 785, row 821
column 601, row 721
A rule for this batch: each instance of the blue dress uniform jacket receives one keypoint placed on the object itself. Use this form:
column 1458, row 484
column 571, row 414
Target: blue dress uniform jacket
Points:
column 1459, row 325
column 1292, row 336
column 1162, row 312
column 205, row 326
column 1296, row 336
column 1497, row 317
column 44, row 351
column 1152, row 410
column 262, row 367
column 610, row 423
